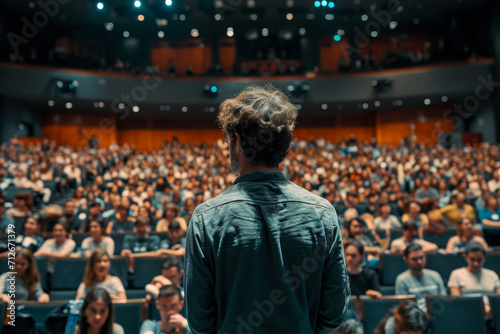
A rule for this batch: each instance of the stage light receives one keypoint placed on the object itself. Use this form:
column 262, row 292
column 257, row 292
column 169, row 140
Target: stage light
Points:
column 376, row 104
column 211, row 90
column 374, row 33
column 302, row 31
column 365, row 106
column 265, row 32
column 140, row 17
column 161, row 34
column 329, row 17
column 230, row 32
column 135, row 109
column 289, row 16
column 67, row 86
column 51, row 103
column 109, row 26
column 126, row 34
column 340, row 32
column 184, row 109
column 317, row 4
column 168, row 2
column 364, row 17
column 324, row 3
column 444, row 98
column 137, row 4
column 393, row 25
column 182, row 17
column 254, row 17
column 331, row 4
column 100, row 5
column 324, row 106
column 218, row 17
column 69, row 105
column 336, row 38
column 195, row 33
column 427, row 102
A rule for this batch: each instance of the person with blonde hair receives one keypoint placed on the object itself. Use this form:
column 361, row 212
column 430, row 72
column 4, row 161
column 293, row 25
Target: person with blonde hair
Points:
column 254, row 239
column 97, row 275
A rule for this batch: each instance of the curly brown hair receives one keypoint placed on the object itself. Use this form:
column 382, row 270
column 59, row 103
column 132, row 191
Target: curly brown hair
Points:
column 265, row 119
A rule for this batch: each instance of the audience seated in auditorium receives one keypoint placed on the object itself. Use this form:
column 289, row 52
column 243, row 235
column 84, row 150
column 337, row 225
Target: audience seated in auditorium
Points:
column 97, row 314
column 98, row 239
column 417, row 280
column 30, row 238
column 384, row 220
column 94, row 213
column 68, row 217
column 453, row 211
column 426, row 192
column 364, row 281
column 22, row 205
column 171, row 273
column 406, row 318
column 121, row 221
column 436, row 224
column 169, row 303
column 465, row 233
column 58, row 247
column 27, row 280
column 415, row 215
column 399, row 245
column 97, row 275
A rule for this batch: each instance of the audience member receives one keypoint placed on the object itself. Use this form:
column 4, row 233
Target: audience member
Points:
column 171, row 273
column 56, row 248
column 406, row 318
column 415, row 216
column 489, row 215
column 384, row 220
column 399, row 245
column 140, row 244
column 465, row 234
column 363, row 280
column 98, row 239
column 175, row 243
column 453, row 211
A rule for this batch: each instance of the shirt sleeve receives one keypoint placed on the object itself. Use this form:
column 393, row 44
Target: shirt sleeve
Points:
column 442, row 289
column 81, row 289
column 401, row 287
column 86, row 242
column 199, row 285
column 68, row 247
column 148, row 326
column 335, row 289
column 110, row 246
column 118, row 285
column 38, row 290
column 127, row 242
column 453, row 281
column 481, row 215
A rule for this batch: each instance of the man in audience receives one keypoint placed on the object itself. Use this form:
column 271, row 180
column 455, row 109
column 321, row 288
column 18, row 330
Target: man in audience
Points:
column 398, row 246
column 140, row 244
column 169, row 304
column 175, row 243
column 171, row 273
column 121, row 222
column 426, row 192
column 94, row 214
column 417, row 280
column 453, row 211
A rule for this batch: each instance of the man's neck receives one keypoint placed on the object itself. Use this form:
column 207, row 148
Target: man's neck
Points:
column 261, row 168
column 417, row 273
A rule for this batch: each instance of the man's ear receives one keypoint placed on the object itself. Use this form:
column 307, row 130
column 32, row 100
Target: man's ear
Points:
column 237, row 145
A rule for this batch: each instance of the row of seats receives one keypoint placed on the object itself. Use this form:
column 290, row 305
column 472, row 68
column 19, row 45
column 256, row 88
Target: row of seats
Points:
column 448, row 314
column 393, row 264
column 68, row 273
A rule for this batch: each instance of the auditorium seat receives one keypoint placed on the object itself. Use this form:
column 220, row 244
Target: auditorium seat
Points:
column 444, row 264
column 458, row 315
column 118, row 239
column 145, row 269
column 392, row 265
column 129, row 314
column 493, row 262
column 78, row 238
column 495, row 312
column 441, row 240
column 57, row 295
column 491, row 236
column 136, row 293
column 387, row 290
column 38, row 311
column 373, row 310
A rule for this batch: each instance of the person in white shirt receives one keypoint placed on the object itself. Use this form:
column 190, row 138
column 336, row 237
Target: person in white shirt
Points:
column 98, row 239
column 398, row 246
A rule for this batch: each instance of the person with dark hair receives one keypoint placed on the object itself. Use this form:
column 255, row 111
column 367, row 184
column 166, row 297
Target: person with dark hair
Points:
column 97, row 314
column 453, row 211
column 363, row 280
column 30, row 238
column 417, row 280
column 384, row 220
column 97, row 239
column 97, row 275
column 68, row 217
column 489, row 215
column 175, row 244
column 171, row 273
column 251, row 236
column 121, row 222
column 473, row 278
column 60, row 246
column 171, row 213
column 141, row 244
column 426, row 192
column 27, row 280
column 93, row 214
column 399, row 245
column 407, row 317
column 465, row 234
column 415, row 215
column 169, row 304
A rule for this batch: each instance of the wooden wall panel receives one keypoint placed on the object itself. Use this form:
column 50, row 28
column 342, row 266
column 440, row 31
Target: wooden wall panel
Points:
column 196, row 56
column 227, row 55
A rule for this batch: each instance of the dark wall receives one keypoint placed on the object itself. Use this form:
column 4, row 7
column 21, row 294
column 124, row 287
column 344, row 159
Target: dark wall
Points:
column 19, row 119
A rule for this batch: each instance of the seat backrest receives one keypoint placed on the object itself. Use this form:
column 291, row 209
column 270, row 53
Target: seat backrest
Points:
column 41, row 265
column 491, row 236
column 68, row 274
column 145, row 269
column 373, row 310
column 118, row 239
column 37, row 311
column 129, row 315
column 458, row 315
column 78, row 238
column 493, row 262
column 119, row 268
column 441, row 240
column 392, row 266
column 444, row 264
column 495, row 312
column 58, row 295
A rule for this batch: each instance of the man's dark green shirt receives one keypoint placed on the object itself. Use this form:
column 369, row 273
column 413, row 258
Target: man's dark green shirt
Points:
column 265, row 256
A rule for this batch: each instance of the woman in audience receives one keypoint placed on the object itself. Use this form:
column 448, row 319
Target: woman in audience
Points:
column 465, row 234
column 30, row 239
column 58, row 247
column 364, row 281
column 406, row 318
column 473, row 278
column 23, row 203
column 27, row 280
column 97, row 314
column 354, row 229
column 436, row 220
column 97, row 275
column 98, row 239
column 414, row 215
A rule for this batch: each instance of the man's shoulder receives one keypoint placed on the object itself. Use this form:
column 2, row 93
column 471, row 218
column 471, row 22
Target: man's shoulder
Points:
column 290, row 193
column 432, row 274
column 405, row 275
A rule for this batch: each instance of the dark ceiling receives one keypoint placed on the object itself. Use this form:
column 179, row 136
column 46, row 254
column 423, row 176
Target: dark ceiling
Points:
column 81, row 18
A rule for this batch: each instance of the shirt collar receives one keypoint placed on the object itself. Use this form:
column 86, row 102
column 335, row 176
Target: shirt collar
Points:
column 260, row 176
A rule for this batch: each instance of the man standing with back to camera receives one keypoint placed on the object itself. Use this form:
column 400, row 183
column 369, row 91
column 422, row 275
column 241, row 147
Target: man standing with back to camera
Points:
column 265, row 256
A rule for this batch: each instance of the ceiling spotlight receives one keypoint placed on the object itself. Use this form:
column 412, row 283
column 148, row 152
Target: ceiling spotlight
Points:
column 376, row 104
column 364, row 17
column 184, row 109
column 331, row 4
column 218, row 17
column 289, row 16
column 230, row 32
column 336, row 38
column 69, row 105
column 126, row 34
column 265, row 32
column 109, row 26
column 211, row 90
column 427, row 102
column 137, row 4
column 140, row 17
column 302, row 31
column 51, row 103
column 100, row 5
column 254, row 17
column 195, row 33
column 444, row 98
column 374, row 33
column 182, row 17
column 393, row 25
column 317, row 4
column 168, row 2
column 324, row 3
column 161, row 22
column 329, row 17
column 324, row 106
column 135, row 108
column 340, row 32
column 161, row 34
column 101, row 105
column 365, row 105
